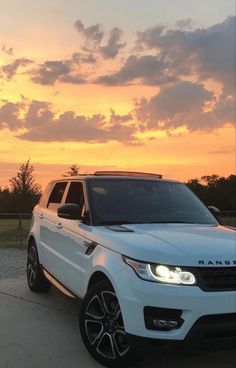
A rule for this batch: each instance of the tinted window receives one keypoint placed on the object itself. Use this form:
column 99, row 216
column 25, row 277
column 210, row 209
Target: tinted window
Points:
column 44, row 198
column 75, row 194
column 140, row 201
column 56, row 195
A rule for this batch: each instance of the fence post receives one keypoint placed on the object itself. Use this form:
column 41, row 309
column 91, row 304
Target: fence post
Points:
column 20, row 230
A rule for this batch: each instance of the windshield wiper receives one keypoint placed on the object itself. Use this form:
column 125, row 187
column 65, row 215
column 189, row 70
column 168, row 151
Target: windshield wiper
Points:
column 115, row 222
column 172, row 222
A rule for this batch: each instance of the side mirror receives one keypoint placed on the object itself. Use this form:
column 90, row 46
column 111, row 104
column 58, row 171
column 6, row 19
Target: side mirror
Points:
column 215, row 212
column 70, row 211
column 213, row 209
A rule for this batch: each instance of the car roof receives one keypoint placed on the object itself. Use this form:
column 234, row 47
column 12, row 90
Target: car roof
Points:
column 117, row 175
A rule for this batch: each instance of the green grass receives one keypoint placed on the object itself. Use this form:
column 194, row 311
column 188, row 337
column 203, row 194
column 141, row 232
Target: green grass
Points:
column 12, row 236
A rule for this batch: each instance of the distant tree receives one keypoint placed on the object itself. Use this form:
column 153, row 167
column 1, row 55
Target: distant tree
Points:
column 216, row 191
column 197, row 187
column 24, row 191
column 211, row 180
column 230, row 198
column 24, row 181
column 74, row 171
column 4, row 199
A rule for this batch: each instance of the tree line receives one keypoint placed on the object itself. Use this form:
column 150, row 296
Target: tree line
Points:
column 215, row 190
column 24, row 192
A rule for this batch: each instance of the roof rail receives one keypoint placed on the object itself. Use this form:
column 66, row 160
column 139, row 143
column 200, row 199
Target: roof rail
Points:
column 127, row 173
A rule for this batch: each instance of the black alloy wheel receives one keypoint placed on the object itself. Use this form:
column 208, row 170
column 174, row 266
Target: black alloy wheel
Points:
column 102, row 326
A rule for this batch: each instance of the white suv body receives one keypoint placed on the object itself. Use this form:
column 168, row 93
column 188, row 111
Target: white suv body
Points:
column 174, row 279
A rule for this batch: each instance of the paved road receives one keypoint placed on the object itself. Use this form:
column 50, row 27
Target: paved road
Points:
column 41, row 331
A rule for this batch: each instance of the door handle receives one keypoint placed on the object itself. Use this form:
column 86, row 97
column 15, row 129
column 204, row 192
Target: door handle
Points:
column 59, row 225
column 41, row 216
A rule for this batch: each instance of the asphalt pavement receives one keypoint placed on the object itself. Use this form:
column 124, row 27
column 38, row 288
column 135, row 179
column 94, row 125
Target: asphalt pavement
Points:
column 41, row 330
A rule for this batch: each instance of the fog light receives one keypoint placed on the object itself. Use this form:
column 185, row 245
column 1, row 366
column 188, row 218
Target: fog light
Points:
column 162, row 319
column 162, row 324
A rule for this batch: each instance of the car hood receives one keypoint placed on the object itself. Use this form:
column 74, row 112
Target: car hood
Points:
column 176, row 244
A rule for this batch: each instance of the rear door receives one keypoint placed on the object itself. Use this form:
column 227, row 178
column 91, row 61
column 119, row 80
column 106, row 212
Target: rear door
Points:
column 50, row 238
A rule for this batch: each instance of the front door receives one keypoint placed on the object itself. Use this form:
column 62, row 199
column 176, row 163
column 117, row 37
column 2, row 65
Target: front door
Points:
column 72, row 243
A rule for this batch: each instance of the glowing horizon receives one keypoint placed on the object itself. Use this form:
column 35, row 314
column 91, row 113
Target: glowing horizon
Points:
column 78, row 87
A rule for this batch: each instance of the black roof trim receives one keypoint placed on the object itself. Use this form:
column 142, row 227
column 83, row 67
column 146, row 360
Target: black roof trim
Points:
column 127, row 173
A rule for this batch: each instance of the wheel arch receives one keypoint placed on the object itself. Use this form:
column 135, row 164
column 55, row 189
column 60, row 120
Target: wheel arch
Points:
column 30, row 239
column 97, row 277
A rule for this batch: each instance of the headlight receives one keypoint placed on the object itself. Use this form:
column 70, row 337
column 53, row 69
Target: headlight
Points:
column 161, row 273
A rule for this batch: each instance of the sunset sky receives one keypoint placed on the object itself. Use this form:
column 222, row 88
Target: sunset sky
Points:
column 143, row 85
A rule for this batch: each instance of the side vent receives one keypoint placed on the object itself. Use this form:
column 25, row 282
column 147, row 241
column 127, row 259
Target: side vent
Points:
column 90, row 247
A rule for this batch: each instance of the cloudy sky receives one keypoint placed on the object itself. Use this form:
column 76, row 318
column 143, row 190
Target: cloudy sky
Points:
column 129, row 84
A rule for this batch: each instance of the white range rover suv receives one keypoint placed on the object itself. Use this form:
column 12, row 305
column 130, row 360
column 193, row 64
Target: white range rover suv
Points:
column 144, row 254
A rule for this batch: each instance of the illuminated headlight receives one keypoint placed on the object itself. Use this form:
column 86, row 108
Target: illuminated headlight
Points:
column 161, row 273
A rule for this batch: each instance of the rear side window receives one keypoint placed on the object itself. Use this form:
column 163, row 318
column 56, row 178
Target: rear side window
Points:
column 56, row 195
column 44, row 198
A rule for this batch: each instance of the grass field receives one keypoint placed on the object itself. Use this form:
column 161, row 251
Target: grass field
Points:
column 12, row 234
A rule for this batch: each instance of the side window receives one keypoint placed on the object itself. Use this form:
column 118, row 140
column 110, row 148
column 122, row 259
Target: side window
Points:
column 56, row 195
column 44, row 198
column 75, row 193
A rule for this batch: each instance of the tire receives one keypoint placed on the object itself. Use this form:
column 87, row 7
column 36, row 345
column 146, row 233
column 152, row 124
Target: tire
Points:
column 37, row 282
column 102, row 328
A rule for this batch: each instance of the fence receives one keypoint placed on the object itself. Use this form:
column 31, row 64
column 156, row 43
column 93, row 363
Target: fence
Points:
column 14, row 228
column 228, row 218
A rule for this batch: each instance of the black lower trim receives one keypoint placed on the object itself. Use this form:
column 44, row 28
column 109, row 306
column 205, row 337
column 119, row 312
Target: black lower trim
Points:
column 60, row 285
column 214, row 327
column 141, row 342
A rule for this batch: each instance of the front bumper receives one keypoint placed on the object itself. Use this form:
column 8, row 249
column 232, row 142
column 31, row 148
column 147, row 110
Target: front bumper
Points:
column 213, row 328
column 135, row 294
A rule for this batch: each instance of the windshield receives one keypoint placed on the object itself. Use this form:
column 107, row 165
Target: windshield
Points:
column 128, row 201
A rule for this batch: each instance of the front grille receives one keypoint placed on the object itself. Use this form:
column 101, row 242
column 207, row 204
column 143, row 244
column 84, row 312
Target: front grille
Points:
column 217, row 278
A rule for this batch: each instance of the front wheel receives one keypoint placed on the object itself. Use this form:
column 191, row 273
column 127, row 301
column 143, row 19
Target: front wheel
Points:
column 102, row 327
